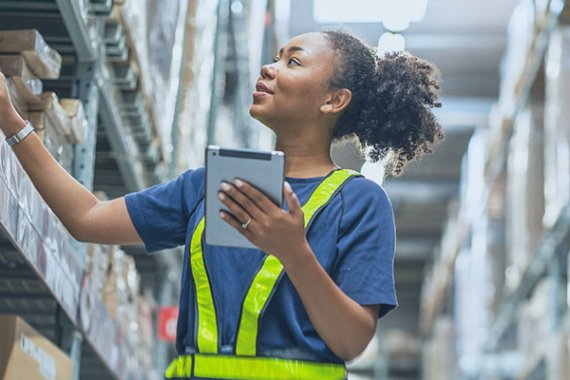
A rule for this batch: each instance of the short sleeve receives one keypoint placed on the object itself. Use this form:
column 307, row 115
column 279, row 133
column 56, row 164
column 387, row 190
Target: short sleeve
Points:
column 160, row 213
column 365, row 267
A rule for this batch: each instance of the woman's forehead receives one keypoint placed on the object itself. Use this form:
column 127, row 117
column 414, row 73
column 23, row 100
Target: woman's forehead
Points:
column 311, row 43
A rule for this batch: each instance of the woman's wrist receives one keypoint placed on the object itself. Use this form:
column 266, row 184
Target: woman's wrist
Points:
column 298, row 258
column 12, row 124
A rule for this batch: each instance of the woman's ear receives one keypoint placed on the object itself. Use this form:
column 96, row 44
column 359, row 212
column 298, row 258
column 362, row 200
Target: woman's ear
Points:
column 337, row 102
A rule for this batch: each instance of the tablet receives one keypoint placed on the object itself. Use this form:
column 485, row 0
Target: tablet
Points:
column 264, row 170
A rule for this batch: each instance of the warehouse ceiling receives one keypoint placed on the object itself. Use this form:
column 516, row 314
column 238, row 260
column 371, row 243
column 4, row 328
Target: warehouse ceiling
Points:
column 466, row 40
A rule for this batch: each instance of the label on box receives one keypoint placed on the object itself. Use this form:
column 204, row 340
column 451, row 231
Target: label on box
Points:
column 46, row 362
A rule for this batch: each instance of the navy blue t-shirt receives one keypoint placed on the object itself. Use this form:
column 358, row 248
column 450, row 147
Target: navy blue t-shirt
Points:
column 353, row 238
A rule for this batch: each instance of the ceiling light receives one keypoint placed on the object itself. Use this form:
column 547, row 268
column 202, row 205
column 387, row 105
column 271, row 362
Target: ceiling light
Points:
column 395, row 14
column 389, row 42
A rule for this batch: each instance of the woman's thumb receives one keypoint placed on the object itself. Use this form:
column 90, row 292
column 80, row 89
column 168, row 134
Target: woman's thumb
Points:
column 291, row 199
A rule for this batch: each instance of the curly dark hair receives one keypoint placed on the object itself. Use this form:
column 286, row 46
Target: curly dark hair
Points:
column 392, row 101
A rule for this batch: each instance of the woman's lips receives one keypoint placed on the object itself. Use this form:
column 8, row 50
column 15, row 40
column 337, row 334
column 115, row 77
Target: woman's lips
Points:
column 261, row 90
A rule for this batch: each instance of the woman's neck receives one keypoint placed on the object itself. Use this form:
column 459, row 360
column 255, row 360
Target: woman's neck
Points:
column 305, row 160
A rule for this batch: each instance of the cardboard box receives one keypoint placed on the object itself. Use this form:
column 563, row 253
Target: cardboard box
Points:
column 49, row 135
column 76, row 114
column 17, row 98
column 43, row 60
column 25, row 354
column 15, row 66
column 55, row 113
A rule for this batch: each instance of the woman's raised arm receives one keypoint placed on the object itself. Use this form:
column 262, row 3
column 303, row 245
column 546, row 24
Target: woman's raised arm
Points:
column 86, row 218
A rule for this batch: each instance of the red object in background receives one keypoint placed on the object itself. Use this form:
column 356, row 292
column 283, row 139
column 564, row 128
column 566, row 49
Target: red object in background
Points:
column 167, row 322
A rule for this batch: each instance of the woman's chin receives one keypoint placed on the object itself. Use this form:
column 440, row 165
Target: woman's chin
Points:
column 256, row 112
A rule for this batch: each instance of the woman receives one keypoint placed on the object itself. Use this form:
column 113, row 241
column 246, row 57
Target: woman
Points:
column 332, row 281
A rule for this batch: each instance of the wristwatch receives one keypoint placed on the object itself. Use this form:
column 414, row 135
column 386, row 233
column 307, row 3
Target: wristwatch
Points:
column 18, row 137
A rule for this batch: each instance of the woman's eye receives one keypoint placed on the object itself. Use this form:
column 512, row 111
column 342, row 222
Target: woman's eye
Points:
column 275, row 59
column 294, row 61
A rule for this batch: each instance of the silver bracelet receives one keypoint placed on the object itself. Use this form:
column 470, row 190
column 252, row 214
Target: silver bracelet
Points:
column 18, row 137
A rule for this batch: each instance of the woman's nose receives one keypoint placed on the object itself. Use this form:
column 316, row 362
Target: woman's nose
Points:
column 267, row 71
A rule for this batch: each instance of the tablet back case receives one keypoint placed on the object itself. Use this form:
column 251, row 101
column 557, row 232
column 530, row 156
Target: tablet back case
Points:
column 264, row 170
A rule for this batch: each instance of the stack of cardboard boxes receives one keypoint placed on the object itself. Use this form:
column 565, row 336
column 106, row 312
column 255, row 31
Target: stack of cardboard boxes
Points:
column 26, row 59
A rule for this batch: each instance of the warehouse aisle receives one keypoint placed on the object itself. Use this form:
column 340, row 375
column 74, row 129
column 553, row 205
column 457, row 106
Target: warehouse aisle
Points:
column 127, row 94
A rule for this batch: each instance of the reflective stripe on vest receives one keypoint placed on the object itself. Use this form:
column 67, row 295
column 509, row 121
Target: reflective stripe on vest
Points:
column 267, row 277
column 263, row 284
column 207, row 332
column 251, row 368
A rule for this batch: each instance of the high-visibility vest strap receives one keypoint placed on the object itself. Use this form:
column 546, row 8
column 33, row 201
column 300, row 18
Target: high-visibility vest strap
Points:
column 206, row 321
column 251, row 368
column 267, row 278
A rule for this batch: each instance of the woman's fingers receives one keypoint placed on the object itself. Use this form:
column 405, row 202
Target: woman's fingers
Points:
column 292, row 201
column 234, row 207
column 258, row 198
column 232, row 221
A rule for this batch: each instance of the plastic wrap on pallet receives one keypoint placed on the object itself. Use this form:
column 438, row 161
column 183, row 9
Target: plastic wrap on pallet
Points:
column 197, row 74
column 557, row 126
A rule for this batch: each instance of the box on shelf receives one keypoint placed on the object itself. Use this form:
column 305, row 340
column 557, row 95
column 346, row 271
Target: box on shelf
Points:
column 55, row 113
column 557, row 126
column 44, row 61
column 76, row 114
column 29, row 85
column 18, row 98
column 55, row 143
column 25, row 354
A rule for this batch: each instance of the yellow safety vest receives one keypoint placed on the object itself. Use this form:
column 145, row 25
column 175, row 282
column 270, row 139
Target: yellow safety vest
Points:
column 208, row 363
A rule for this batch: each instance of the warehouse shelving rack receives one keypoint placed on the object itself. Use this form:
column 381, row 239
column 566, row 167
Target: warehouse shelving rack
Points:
column 41, row 279
column 551, row 253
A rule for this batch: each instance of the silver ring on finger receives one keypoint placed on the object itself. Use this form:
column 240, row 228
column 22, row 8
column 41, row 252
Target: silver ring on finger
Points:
column 246, row 224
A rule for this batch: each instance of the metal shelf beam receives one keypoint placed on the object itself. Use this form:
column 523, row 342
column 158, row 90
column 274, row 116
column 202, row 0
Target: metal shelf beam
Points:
column 85, row 48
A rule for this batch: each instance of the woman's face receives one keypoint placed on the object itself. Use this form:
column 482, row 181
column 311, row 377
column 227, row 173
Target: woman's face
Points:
column 294, row 87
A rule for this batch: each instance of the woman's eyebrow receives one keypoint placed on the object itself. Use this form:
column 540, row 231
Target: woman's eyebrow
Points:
column 290, row 49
